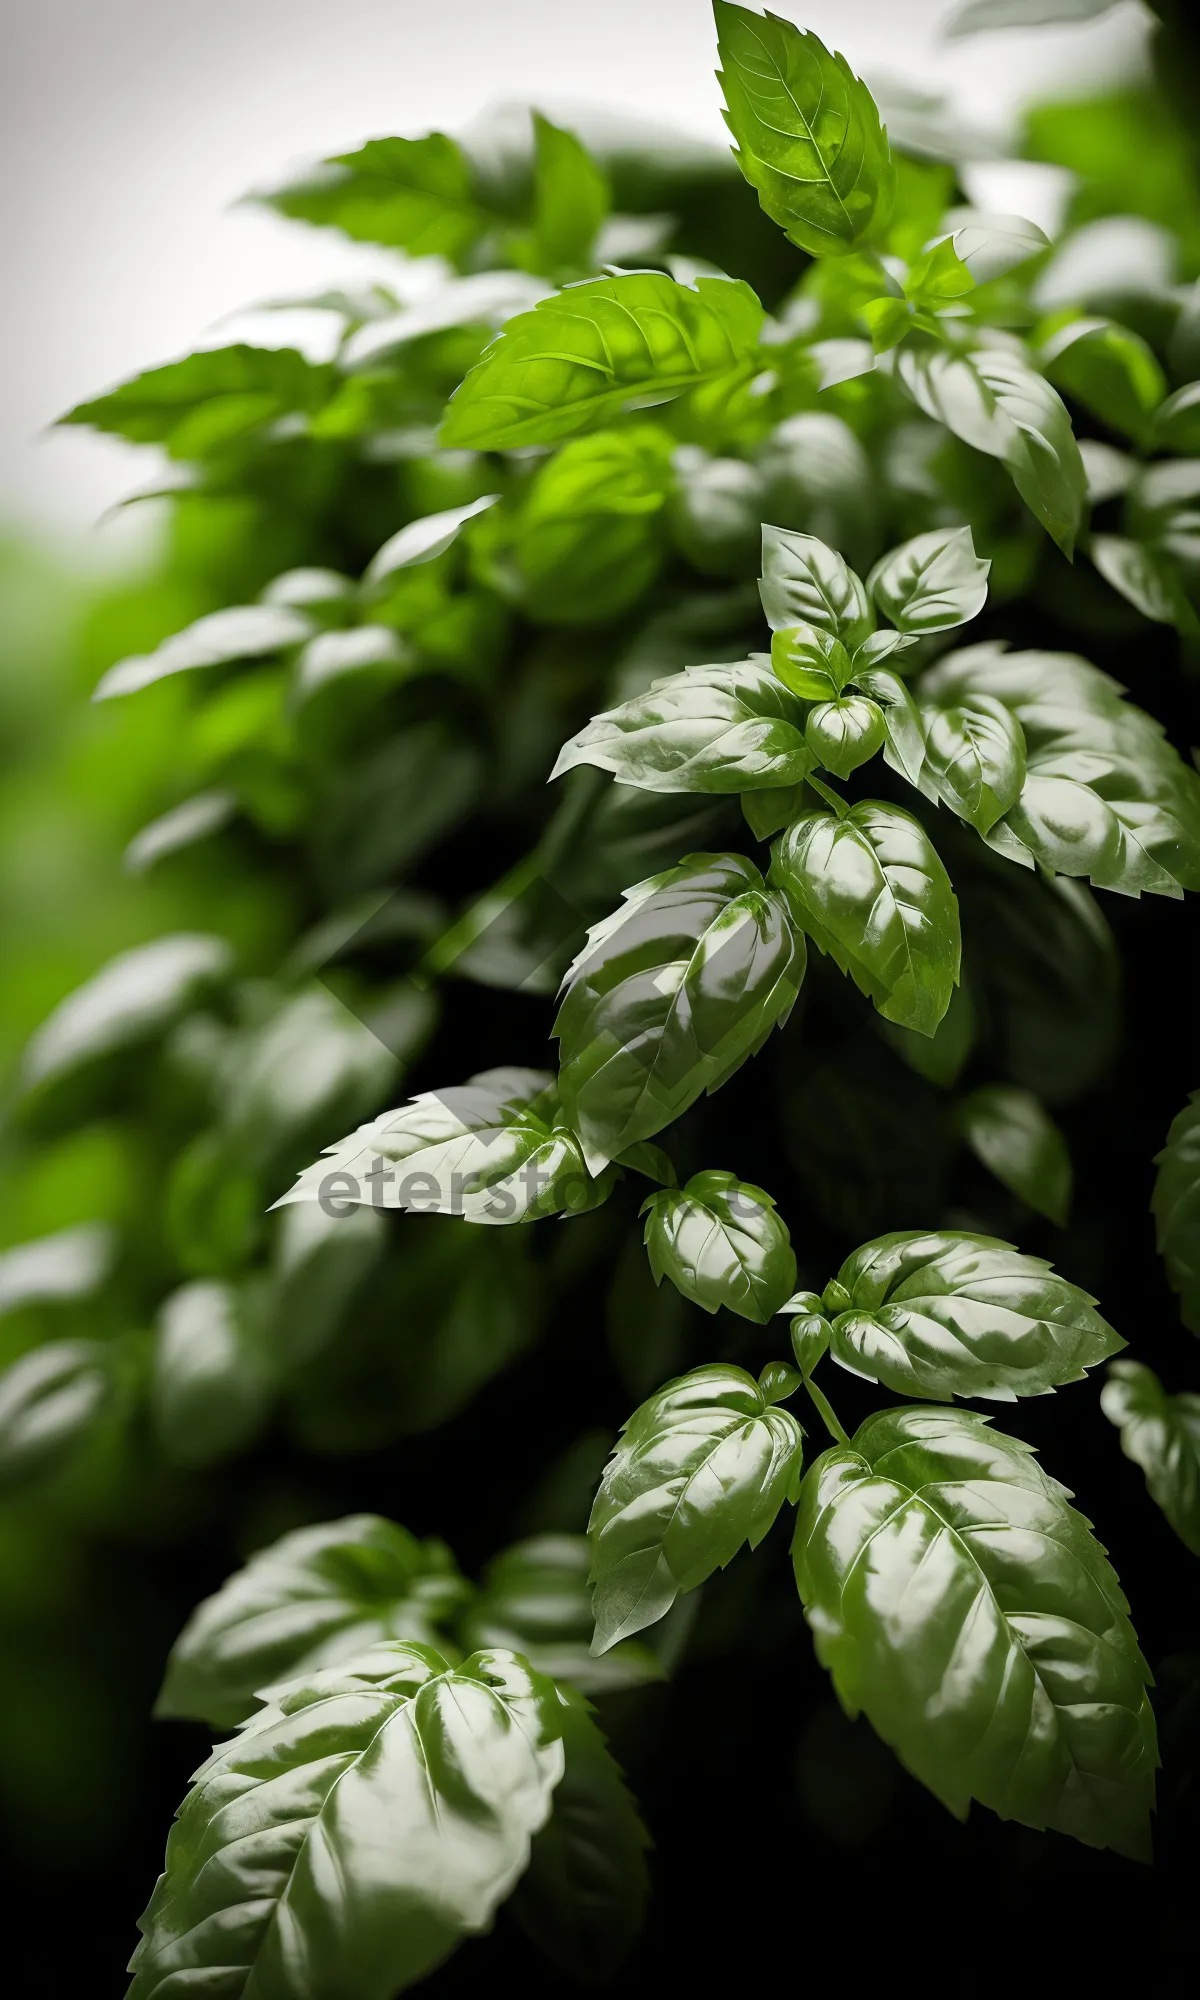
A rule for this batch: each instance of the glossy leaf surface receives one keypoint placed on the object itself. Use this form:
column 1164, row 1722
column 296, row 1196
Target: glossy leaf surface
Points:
column 709, row 729
column 581, row 357
column 1176, row 1205
column 974, row 758
column 808, row 134
column 701, row 1468
column 844, row 734
column 356, row 1830
column 314, row 1598
column 1160, row 1433
column 932, row 582
column 721, row 1243
column 943, row 1314
column 806, row 583
column 870, row 891
column 964, row 1606
column 669, row 997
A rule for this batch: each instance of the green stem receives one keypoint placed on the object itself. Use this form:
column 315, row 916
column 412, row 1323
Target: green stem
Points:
column 830, row 797
column 826, row 1411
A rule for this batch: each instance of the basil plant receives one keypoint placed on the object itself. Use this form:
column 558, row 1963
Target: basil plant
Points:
column 659, row 720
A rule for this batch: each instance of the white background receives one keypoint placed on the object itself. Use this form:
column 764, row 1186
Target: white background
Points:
column 128, row 128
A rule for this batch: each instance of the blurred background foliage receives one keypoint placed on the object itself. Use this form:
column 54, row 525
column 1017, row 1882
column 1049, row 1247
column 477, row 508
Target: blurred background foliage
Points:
column 160, row 1147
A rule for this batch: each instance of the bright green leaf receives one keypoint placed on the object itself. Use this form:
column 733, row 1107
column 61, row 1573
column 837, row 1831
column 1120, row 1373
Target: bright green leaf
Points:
column 410, row 194
column 219, row 397
column 1110, row 370
column 844, row 734
column 809, row 139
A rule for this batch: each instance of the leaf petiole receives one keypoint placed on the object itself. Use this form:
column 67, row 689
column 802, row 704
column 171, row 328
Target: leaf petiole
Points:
column 826, row 1412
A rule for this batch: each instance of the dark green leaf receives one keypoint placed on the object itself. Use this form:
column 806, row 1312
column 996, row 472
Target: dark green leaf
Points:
column 1048, row 967
column 50, row 1400
column 805, row 583
column 808, row 133
column 1160, row 1433
column 314, row 1598
column 582, row 1899
column 716, row 513
column 932, row 582
column 320, row 1262
column 534, row 1598
column 870, row 891
column 811, row 662
column 701, row 1468
column 669, row 997
column 580, row 358
column 410, row 194
column 1176, row 424
column 588, row 538
column 709, row 729
column 844, row 734
column 943, row 1314
column 200, row 405
column 721, row 1243
column 492, row 1150
column 1145, row 578
column 974, row 759
column 768, row 812
column 1176, row 1206
column 1014, row 1135
column 996, row 402
column 356, row 1830
column 1010, row 1673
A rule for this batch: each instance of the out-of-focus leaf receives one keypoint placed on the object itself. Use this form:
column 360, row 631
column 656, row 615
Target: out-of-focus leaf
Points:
column 422, row 540
column 131, row 1000
column 219, row 397
column 534, row 1597
column 1110, row 370
column 1145, row 579
column 314, row 1598
column 183, row 826
column 410, row 194
column 1176, row 1206
column 587, row 540
column 976, row 17
column 1014, row 1135
column 70, row 1264
column 211, row 1381
column 321, row 1260
column 244, row 632
column 50, row 1400
column 1160, row 1433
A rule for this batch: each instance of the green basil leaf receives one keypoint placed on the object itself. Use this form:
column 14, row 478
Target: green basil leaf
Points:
column 571, row 201
column 212, row 1378
column 669, row 997
column 243, row 632
column 580, row 358
column 700, row 1469
column 198, row 407
column 1049, row 968
column 491, row 1150
column 589, row 538
column 1110, row 370
column 50, row 1401
column 904, row 731
column 1145, row 578
column 996, row 402
column 1176, row 425
column 809, row 139
column 1011, row 1131
column 943, row 1314
column 811, row 662
column 410, row 194
column 132, row 1000
column 388, row 1807
column 941, row 1057
column 938, row 277
column 1160, row 1433
column 720, row 729
column 70, row 1264
column 768, row 812
column 721, row 1243
column 974, row 759
column 870, row 891
column 1104, row 796
column 716, row 513
column 534, row 1598
column 1010, row 1673
column 805, row 583
column 321, row 1261
column 992, row 245
column 932, row 582
column 1176, row 1206
column 314, row 1598
column 423, row 540
column 844, row 734
column 193, row 820
column 582, row 1899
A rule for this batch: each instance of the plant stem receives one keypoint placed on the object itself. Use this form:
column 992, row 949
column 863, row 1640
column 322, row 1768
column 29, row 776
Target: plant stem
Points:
column 826, row 1411
column 830, row 797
